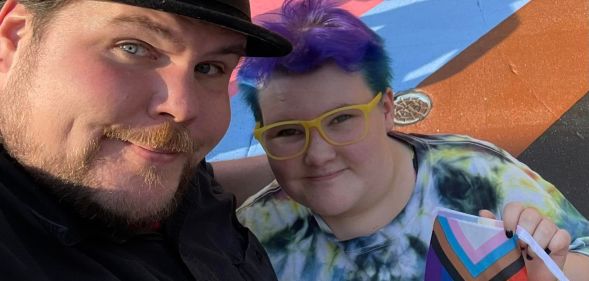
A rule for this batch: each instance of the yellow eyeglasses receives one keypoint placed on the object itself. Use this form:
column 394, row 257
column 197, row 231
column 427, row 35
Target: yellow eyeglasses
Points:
column 340, row 126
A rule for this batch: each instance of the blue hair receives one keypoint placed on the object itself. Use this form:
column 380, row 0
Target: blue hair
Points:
column 320, row 33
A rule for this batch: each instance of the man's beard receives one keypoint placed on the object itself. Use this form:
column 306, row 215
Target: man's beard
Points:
column 73, row 183
column 69, row 174
column 89, row 203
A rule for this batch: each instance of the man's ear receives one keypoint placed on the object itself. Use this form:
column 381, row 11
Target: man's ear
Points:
column 14, row 21
column 388, row 101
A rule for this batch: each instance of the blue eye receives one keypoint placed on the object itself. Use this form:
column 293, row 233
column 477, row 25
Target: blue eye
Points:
column 130, row 48
column 208, row 69
column 136, row 49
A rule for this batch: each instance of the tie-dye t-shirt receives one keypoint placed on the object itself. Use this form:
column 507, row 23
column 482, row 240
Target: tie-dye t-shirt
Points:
column 453, row 171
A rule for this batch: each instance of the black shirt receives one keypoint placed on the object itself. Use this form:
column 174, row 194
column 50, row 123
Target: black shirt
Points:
column 41, row 239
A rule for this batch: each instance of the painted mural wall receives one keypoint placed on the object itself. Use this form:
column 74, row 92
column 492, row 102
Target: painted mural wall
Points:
column 513, row 72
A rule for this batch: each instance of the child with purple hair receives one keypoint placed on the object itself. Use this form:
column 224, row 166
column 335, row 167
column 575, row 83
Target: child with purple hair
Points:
column 355, row 200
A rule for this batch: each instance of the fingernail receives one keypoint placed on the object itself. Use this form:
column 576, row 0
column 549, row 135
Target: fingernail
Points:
column 547, row 251
column 509, row 234
column 528, row 257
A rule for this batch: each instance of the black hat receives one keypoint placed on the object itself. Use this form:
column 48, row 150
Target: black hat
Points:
column 231, row 14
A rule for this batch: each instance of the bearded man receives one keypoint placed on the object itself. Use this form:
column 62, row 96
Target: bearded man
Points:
column 107, row 109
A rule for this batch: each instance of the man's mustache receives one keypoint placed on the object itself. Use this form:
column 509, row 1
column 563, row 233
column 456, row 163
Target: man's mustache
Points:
column 166, row 137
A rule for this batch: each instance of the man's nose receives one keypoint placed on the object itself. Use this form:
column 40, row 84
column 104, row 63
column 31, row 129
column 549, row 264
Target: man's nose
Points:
column 319, row 151
column 178, row 97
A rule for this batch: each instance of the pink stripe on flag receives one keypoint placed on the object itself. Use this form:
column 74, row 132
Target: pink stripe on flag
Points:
column 478, row 254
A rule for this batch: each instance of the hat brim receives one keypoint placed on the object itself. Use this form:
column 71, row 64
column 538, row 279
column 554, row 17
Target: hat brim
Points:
column 260, row 41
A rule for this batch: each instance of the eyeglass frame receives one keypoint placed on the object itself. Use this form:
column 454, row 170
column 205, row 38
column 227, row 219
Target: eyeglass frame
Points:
column 366, row 108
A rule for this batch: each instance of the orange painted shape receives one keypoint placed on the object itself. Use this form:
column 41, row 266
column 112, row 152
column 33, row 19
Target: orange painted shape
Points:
column 517, row 80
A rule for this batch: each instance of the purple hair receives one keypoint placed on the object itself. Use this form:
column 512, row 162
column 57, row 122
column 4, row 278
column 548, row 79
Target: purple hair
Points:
column 320, row 33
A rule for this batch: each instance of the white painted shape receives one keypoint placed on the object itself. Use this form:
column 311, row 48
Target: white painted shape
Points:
column 477, row 234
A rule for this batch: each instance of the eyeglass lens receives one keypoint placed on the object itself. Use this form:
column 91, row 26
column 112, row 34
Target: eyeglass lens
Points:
column 339, row 128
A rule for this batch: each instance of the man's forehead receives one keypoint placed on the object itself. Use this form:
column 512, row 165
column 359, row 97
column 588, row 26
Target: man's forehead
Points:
column 232, row 15
column 146, row 22
column 172, row 27
column 228, row 16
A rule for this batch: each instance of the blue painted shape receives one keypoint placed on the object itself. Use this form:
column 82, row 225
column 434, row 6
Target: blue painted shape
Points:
column 421, row 37
column 239, row 141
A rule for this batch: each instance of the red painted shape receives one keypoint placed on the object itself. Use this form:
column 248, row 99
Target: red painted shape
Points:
column 357, row 7
column 521, row 275
column 263, row 6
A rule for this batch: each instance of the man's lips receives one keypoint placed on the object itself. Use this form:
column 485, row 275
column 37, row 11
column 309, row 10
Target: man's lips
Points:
column 154, row 150
column 154, row 154
column 323, row 176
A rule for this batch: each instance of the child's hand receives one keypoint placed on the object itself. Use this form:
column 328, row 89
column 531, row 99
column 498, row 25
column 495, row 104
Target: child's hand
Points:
column 555, row 241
